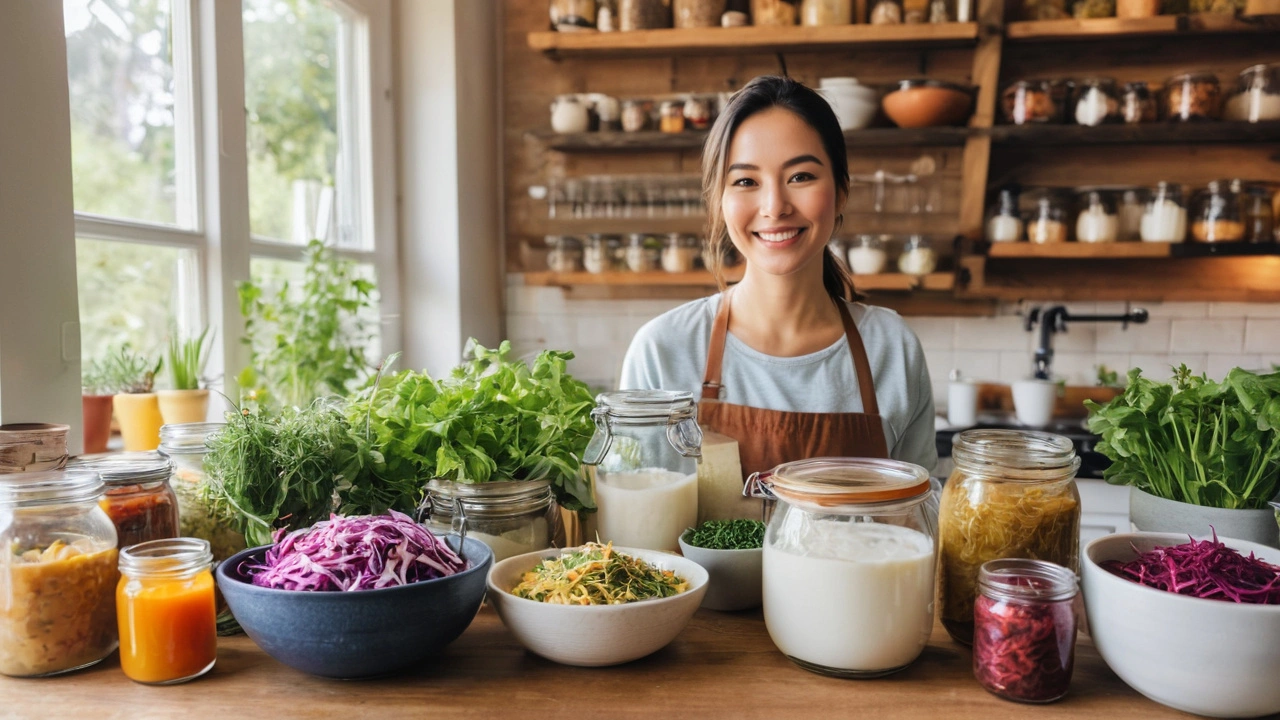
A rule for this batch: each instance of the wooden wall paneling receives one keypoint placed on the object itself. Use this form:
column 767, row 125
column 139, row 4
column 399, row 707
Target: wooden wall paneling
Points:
column 977, row 150
column 1073, row 166
column 1238, row 279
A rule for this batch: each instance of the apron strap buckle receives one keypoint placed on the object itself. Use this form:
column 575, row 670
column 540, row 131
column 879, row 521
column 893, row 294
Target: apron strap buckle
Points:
column 711, row 390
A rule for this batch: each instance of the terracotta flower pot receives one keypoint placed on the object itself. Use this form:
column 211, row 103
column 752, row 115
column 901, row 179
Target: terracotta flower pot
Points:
column 97, row 422
column 183, row 406
column 140, row 420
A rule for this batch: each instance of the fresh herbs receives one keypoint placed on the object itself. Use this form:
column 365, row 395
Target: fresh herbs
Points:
column 597, row 575
column 125, row 371
column 186, row 360
column 727, row 535
column 493, row 419
column 1204, row 569
column 1195, row 441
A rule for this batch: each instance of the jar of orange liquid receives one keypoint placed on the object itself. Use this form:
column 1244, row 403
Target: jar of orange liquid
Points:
column 166, row 612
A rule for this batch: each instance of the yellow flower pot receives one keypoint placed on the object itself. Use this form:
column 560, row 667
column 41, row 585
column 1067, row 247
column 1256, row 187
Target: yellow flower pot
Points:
column 183, row 406
column 140, row 420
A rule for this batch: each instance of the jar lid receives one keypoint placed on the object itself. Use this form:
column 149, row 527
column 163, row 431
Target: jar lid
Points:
column 187, row 437
column 834, row 481
column 50, row 488
column 131, row 468
column 1195, row 76
column 1025, row 579
column 1015, row 450
column 646, row 405
column 489, row 500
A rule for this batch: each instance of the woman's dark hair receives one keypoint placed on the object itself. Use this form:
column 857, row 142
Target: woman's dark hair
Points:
column 762, row 93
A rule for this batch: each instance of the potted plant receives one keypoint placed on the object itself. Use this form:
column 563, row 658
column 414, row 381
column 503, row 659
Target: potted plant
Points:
column 137, row 407
column 1196, row 453
column 186, row 402
column 95, row 405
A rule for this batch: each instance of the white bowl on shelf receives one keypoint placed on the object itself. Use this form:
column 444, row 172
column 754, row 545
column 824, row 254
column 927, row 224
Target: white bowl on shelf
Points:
column 855, row 105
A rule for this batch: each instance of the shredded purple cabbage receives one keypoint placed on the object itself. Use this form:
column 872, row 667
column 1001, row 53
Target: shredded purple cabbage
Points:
column 365, row 552
column 1204, row 569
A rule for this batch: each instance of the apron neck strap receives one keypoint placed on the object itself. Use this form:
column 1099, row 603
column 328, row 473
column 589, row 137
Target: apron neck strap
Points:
column 720, row 329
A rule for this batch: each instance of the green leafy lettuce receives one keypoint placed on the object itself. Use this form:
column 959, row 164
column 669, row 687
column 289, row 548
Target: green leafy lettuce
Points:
column 1196, row 441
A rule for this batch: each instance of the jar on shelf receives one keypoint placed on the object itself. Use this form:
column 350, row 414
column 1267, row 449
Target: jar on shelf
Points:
column 137, row 496
column 1004, row 225
column 600, row 253
column 635, row 115
column 1097, row 220
column 644, row 455
column 565, row 255
column 1096, row 102
column 644, row 253
column 1061, row 91
column 671, row 117
column 698, row 13
column 680, row 253
column 573, row 15
column 1012, row 494
column 697, row 112
column 1024, row 634
column 607, row 16
column 58, row 580
column 1259, row 217
column 1193, row 96
column 1029, row 101
column 886, row 12
column 867, row 255
column 1137, row 8
column 1048, row 220
column 609, row 112
column 1130, row 207
column 643, row 14
column 850, row 563
column 1165, row 217
column 1089, row 9
column 773, row 12
column 511, row 517
column 1257, row 95
column 1217, row 215
column 1137, row 103
column 826, row 12
column 917, row 257
column 569, row 115
column 167, row 612
column 729, row 256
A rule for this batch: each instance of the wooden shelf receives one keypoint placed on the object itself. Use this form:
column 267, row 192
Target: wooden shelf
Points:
column 889, row 282
column 651, row 141
column 743, row 40
column 1161, row 25
column 1077, row 250
column 1169, row 133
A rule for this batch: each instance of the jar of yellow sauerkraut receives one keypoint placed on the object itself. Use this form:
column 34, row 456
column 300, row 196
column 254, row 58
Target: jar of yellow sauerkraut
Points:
column 1012, row 495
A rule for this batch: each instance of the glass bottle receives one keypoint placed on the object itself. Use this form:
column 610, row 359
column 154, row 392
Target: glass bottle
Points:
column 565, row 255
column 680, row 253
column 1165, row 217
column 867, row 255
column 1193, row 96
column 57, row 573
column 1217, row 216
column 1012, row 494
column 1096, row 102
column 1097, row 221
column 1005, row 224
column 1048, row 222
column 1259, row 217
column 166, row 611
column 511, row 517
column 644, row 455
column 850, row 560
column 671, row 117
column 917, row 257
column 1024, row 634
column 1257, row 95
column 138, row 497
column 1137, row 104
column 644, row 253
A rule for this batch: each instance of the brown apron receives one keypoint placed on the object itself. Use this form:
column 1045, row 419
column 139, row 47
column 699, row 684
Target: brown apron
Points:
column 768, row 438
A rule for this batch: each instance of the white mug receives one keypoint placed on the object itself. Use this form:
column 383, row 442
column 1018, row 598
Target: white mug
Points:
column 962, row 403
column 1034, row 401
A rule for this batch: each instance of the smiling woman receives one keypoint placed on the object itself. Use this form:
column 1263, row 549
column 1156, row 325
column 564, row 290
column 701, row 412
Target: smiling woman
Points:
column 788, row 358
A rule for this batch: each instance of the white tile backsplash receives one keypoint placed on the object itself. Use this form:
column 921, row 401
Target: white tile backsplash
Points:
column 1176, row 309
column 1217, row 335
column 1149, row 337
column 998, row 333
column 1262, row 336
column 935, row 333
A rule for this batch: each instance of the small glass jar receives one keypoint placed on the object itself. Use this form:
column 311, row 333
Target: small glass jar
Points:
column 1257, row 96
column 680, row 253
column 850, row 560
column 815, row 13
column 1024, row 635
column 1096, row 102
column 1012, row 494
column 1029, row 101
column 511, row 517
column 697, row 13
column 1097, row 220
column 1131, row 205
column 1217, row 215
column 644, row 455
column 1193, row 96
column 1165, row 217
column 565, row 255
column 1259, row 217
column 166, row 611
column 1061, row 91
column 57, row 573
column 635, row 115
column 1137, row 103
column 573, row 15
column 1090, row 9
column 917, row 257
column 138, row 497
column 643, row 14
column 773, row 12
column 1048, row 221
column 886, row 12
column 644, row 253
column 697, row 112
column 867, row 255
column 671, row 117
column 598, row 257
column 1004, row 225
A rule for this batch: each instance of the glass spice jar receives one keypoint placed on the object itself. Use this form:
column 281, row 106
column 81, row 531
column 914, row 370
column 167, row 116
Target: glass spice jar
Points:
column 1024, row 634
column 671, row 117
column 773, row 12
column 886, row 12
column 697, row 112
column 565, row 255
column 1137, row 105
column 1217, row 215
column 1005, row 224
column 166, row 611
column 573, row 15
column 917, row 257
column 644, row 456
column 1165, row 216
column 635, row 115
column 511, row 517
column 57, row 573
column 644, row 253
column 1012, row 494
column 1048, row 221
column 698, row 13
column 1097, row 220
column 1029, row 101
column 138, row 497
column 1193, row 96
column 680, row 253
column 1096, row 102
column 599, row 254
column 1259, row 219
column 1131, row 206
column 816, row 13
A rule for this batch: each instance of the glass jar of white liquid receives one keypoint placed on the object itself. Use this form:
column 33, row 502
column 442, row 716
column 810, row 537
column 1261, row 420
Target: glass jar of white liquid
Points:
column 849, row 561
column 511, row 517
column 645, row 454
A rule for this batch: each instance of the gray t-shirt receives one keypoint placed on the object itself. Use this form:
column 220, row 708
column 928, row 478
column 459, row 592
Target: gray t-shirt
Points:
column 670, row 353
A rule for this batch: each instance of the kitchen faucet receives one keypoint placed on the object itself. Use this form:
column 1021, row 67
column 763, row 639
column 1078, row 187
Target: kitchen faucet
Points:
column 1054, row 319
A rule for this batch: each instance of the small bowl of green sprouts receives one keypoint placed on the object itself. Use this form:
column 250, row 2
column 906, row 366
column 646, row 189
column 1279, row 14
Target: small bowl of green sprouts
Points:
column 731, row 551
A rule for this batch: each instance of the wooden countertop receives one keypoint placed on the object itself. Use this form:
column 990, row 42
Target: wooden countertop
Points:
column 722, row 665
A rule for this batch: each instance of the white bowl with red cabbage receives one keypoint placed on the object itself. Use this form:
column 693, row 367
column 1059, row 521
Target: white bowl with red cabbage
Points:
column 1214, row 651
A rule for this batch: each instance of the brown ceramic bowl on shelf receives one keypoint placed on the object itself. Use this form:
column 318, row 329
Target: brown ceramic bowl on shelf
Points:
column 928, row 103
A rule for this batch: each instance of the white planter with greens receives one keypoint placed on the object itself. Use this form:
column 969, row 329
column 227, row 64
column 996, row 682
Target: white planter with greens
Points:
column 1156, row 514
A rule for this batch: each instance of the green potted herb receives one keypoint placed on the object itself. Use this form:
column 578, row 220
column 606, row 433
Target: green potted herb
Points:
column 137, row 408
column 1195, row 452
column 186, row 401
column 95, row 405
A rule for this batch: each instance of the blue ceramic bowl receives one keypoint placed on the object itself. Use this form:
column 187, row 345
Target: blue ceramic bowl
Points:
column 357, row 634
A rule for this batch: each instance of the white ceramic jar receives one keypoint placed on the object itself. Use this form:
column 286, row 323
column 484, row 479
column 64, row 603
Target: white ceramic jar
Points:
column 569, row 115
